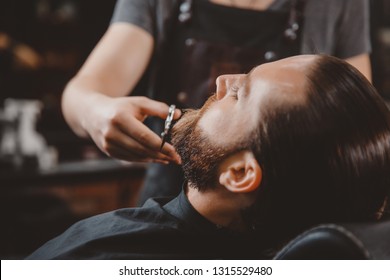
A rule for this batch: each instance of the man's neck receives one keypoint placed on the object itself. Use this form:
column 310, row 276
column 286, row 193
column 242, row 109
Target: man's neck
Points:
column 217, row 206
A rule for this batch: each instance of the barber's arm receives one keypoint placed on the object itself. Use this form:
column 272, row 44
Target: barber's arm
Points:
column 362, row 63
column 95, row 104
column 353, row 41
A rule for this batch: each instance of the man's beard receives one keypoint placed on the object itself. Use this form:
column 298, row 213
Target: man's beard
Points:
column 200, row 158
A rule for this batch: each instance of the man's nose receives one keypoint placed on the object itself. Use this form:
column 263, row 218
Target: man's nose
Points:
column 224, row 83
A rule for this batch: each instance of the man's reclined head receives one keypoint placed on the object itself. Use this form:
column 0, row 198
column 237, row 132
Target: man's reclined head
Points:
column 297, row 142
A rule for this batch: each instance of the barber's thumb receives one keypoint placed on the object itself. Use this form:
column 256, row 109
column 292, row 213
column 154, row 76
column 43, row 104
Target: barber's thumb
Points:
column 177, row 114
column 154, row 108
column 158, row 109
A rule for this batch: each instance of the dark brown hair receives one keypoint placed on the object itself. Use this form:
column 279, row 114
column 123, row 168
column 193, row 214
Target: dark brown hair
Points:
column 326, row 160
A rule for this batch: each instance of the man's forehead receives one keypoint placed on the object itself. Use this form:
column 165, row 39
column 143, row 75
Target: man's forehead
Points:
column 298, row 61
column 283, row 78
column 298, row 65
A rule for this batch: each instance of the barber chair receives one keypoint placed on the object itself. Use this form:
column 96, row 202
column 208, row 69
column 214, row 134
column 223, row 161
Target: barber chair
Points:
column 340, row 242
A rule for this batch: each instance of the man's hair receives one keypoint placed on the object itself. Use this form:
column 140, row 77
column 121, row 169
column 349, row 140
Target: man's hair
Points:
column 327, row 159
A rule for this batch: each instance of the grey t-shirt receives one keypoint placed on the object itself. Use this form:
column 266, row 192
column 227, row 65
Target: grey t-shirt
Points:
column 335, row 27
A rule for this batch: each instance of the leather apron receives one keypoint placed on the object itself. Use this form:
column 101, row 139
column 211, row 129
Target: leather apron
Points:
column 209, row 40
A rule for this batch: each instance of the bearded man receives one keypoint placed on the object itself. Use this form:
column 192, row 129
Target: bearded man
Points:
column 294, row 143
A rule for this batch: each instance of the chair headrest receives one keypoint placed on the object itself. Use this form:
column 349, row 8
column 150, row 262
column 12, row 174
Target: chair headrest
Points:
column 340, row 241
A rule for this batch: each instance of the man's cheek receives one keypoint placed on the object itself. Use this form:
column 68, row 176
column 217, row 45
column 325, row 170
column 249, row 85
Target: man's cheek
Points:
column 213, row 122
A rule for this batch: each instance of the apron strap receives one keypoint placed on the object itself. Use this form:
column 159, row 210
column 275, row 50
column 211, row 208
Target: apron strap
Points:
column 295, row 17
column 185, row 11
column 291, row 32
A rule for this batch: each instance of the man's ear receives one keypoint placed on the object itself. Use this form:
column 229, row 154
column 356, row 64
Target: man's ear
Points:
column 240, row 173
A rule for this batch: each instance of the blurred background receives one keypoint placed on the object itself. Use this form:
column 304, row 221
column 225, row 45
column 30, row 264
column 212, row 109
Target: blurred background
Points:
column 50, row 178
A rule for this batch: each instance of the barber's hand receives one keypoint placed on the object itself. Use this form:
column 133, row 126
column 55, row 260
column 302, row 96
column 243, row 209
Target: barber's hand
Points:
column 116, row 126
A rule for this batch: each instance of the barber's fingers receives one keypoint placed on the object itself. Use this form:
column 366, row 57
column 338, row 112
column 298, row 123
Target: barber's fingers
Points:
column 123, row 154
column 147, row 138
column 131, row 149
column 150, row 107
column 169, row 149
column 126, row 115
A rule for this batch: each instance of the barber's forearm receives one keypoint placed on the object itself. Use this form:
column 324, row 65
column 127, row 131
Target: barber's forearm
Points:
column 112, row 70
column 78, row 101
column 362, row 63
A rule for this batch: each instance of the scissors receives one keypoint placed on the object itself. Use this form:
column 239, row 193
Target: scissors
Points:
column 168, row 125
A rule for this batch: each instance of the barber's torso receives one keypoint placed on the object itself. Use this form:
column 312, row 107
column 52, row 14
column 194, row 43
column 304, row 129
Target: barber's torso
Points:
column 207, row 40
column 215, row 40
column 335, row 27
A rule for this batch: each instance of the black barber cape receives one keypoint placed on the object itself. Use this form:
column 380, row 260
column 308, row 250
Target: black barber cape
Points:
column 161, row 229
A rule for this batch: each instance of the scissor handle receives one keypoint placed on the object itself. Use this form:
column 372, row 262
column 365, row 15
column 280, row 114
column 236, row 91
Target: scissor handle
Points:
column 168, row 123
